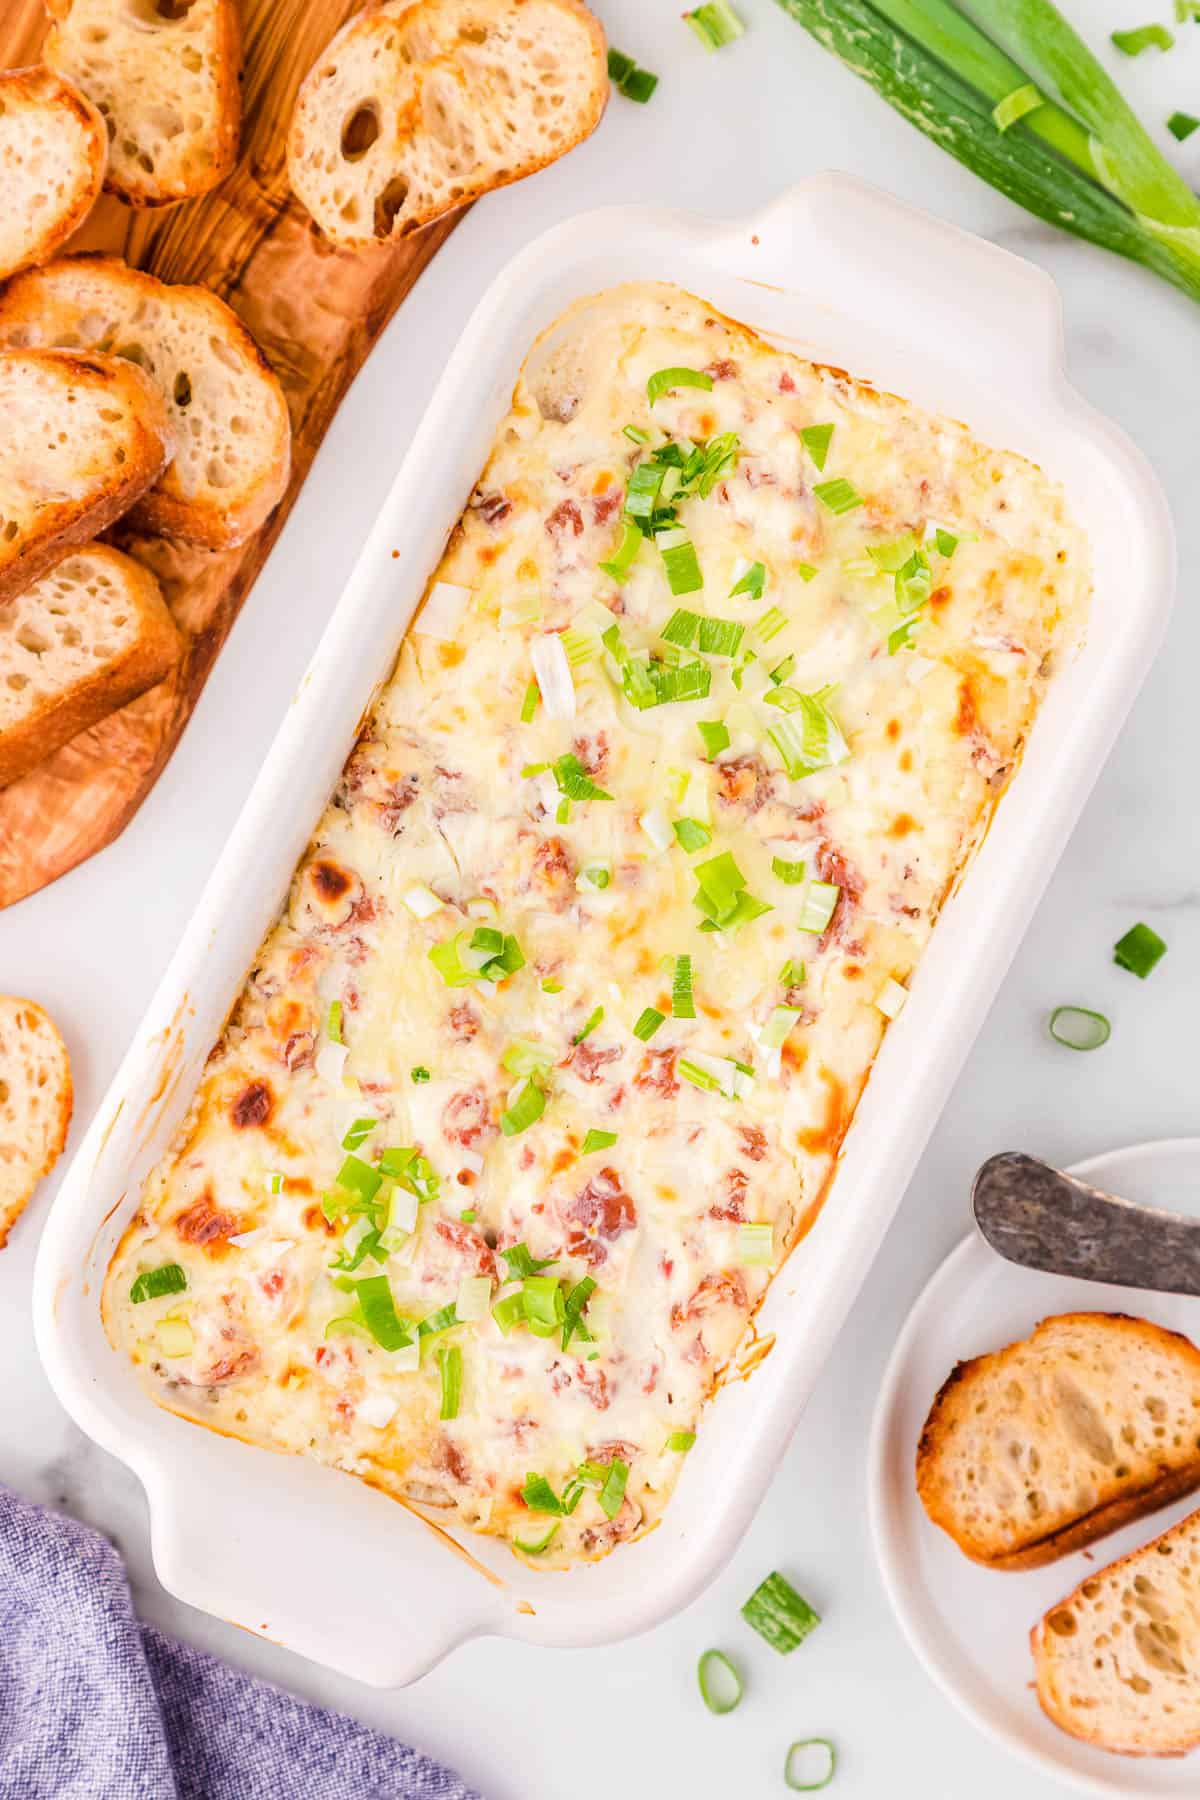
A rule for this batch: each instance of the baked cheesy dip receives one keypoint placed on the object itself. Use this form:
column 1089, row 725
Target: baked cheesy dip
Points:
column 548, row 1062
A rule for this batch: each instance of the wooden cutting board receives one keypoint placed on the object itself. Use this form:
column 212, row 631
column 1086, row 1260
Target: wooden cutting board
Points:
column 314, row 311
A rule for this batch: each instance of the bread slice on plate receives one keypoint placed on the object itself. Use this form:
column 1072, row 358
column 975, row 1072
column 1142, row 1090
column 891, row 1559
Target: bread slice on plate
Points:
column 415, row 109
column 1117, row 1662
column 35, row 1103
column 1046, row 1445
column 83, row 438
column 228, row 413
column 92, row 634
column 164, row 74
column 53, row 152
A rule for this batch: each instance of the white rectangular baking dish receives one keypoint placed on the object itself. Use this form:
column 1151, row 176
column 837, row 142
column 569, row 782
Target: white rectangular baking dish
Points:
column 842, row 273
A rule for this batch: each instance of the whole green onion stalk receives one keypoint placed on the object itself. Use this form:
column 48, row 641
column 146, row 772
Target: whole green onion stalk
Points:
column 1081, row 160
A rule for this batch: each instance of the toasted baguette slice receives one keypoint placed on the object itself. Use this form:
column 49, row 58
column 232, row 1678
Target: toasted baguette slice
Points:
column 165, row 78
column 90, row 635
column 53, row 151
column 415, row 109
column 229, row 416
column 1044, row 1446
column 83, row 438
column 35, row 1104
column 1118, row 1661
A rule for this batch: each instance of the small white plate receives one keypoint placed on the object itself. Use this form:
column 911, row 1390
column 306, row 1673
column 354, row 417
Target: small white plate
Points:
column 968, row 1625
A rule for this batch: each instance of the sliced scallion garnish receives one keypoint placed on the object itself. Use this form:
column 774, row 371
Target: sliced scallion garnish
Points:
column 1143, row 37
column 756, row 1244
column 692, row 835
column 720, row 1683
column 152, row 1284
column 543, row 1543
column 753, row 582
column 619, row 564
column 663, row 380
column 809, row 1765
column 779, row 1614
column 521, row 1261
column 333, row 1022
column 683, row 1005
column 681, row 1441
column 525, row 1109
column 680, row 562
column 840, row 496
column 529, row 704
column 613, row 1492
column 628, row 79
column 358, row 1133
column 589, row 1025
column 420, row 1074
column 450, row 1367
column 715, row 735
column 816, row 440
column 809, row 738
column 1181, row 126
column 1079, row 1028
column 374, row 1296
column 715, row 24
column 1139, row 951
column 648, row 1022
column 598, row 1140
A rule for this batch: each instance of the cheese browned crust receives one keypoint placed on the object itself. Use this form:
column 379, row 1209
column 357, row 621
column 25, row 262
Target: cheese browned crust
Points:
column 436, row 810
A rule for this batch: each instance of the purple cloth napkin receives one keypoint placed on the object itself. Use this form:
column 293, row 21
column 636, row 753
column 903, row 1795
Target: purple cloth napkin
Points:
column 96, row 1706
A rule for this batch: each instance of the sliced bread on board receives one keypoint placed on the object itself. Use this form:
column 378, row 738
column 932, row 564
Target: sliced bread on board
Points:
column 35, row 1103
column 53, row 152
column 84, row 437
column 1117, row 1662
column 415, row 109
column 228, row 412
column 164, row 74
column 93, row 633
column 1042, row 1447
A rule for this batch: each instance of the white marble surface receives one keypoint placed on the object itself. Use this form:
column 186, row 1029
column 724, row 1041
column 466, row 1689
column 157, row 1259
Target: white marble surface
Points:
column 723, row 134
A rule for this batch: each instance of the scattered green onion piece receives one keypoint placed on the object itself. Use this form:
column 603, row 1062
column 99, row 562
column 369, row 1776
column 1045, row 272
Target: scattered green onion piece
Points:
column 333, row 1023
column 913, row 582
column 358, row 1177
column 468, row 1218
column 782, row 670
column 593, row 1019
column 680, row 563
column 525, row 1110
column 543, row 1543
column 683, row 1005
column 753, row 582
column 1143, row 37
column 715, row 24
column 619, row 66
column 598, row 1140
column 648, row 1022
column 1139, row 950
column 358, row 1133
column 522, row 1263
column 420, row 1074
column 720, row 637
column 792, row 1774
column 275, row 1181
column 543, row 1304
column 597, row 875
column 779, row 1614
column 819, row 904
column 700, row 1078
column 715, row 736
column 1079, row 1028
column 573, row 1305
column 540, row 1497
column 806, row 571
column 442, row 1320
column 790, row 872
column 1181, row 126
column 1187, row 9
column 529, row 704
column 613, row 1492
column 1014, row 106
column 840, row 496
column 525, row 1056
column 639, row 86
column 509, row 1312
column 756, row 1244
column 550, row 986
column 681, row 1441
column 809, row 739
column 152, row 1284
column 681, row 628
column 946, row 541
column 720, row 1684
column 816, row 440
column 692, row 835
column 379, row 1313
column 450, row 1367
column 619, row 565
column 793, row 974
column 641, row 494
column 778, row 1027
column 635, row 434
column 664, row 379
column 769, row 625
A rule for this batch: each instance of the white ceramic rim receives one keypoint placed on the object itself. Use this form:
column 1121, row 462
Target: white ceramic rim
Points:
column 973, row 328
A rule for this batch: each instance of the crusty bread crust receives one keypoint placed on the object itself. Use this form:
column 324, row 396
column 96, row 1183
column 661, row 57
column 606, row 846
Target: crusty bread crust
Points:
column 107, row 474
column 415, row 68
column 120, row 59
column 199, row 354
column 36, row 1098
column 81, row 596
column 36, row 223
column 1061, row 1685
column 974, row 1383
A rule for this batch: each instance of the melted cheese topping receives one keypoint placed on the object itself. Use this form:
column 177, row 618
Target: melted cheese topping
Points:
column 436, row 828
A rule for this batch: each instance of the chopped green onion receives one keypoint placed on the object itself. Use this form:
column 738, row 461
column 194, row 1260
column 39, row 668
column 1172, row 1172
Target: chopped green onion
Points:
column 540, row 1497
column 573, row 1305
column 715, row 24
column 779, row 1614
column 1016, row 105
column 692, row 835
column 596, row 874
column 525, row 1109
column 809, row 739
column 720, row 637
column 613, row 1492
column 648, row 1022
column 681, row 628
column 593, row 1019
column 819, row 903
column 275, row 1181
column 753, row 582
column 840, row 496
column 619, row 565
column 792, row 974
column 1078, row 1028
column 509, row 1312
column 420, row 1074
column 816, row 440
column 641, row 494
column 715, row 736
column 806, row 1773
column 1139, row 950
column 543, row 1304
column 663, row 380
column 769, row 625
column 529, row 704
column 619, row 65
column 358, row 1133
column 778, row 1027
column 1181, row 126
column 379, row 1313
column 720, row 1684
column 598, row 1140
column 782, row 670
column 635, row 434
column 525, row 1056
column 1143, row 37
column 450, row 1366
column 680, row 563
column 913, row 582
column 756, row 1244
column 639, row 86
column 1187, row 9
column 152, row 1284
column 701, row 1078
column 683, row 1005
column 791, row 872
column 468, row 1218
column 946, row 541
column 358, row 1177
column 805, row 571
column 442, row 1320
column 542, row 1543
column 550, row 986
column 521, row 1262
column 580, row 647
column 333, row 1023
column 681, row 1441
